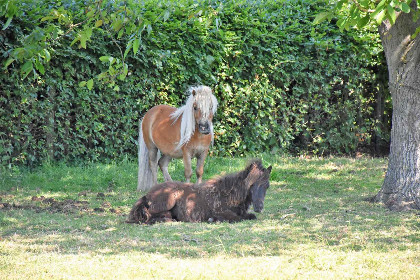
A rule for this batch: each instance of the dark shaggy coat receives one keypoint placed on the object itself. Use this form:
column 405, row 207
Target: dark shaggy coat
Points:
column 223, row 199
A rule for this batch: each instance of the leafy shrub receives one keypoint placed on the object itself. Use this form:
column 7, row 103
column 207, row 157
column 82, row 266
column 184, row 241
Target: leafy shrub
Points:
column 283, row 84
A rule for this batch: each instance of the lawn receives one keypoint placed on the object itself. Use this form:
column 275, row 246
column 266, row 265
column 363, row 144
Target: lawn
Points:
column 67, row 222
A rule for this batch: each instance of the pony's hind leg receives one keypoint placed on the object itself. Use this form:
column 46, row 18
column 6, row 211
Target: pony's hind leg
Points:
column 163, row 164
column 153, row 164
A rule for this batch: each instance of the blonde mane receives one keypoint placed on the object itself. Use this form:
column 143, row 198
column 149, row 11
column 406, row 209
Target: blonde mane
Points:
column 205, row 101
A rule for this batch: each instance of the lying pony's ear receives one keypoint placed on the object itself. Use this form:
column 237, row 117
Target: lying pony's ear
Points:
column 251, row 167
column 248, row 170
column 269, row 169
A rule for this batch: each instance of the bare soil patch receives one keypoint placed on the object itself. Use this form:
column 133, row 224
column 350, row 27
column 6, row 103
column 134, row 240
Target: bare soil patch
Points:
column 41, row 204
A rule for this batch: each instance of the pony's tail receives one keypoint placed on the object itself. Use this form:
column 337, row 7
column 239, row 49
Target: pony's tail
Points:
column 139, row 212
column 145, row 174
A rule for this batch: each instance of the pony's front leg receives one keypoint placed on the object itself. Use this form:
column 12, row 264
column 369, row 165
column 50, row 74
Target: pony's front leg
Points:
column 227, row 216
column 200, row 165
column 187, row 166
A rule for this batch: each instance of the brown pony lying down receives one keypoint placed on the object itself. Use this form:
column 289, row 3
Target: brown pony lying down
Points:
column 222, row 199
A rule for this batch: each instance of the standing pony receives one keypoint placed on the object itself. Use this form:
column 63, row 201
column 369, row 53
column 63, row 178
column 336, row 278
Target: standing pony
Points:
column 184, row 132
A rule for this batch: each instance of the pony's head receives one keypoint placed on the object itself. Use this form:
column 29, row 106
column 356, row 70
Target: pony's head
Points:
column 197, row 113
column 204, row 106
column 258, row 179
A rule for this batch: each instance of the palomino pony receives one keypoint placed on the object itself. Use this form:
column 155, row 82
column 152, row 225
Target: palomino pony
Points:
column 185, row 133
column 222, row 199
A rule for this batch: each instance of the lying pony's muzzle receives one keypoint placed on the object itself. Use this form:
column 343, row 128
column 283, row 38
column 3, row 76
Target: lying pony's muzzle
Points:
column 258, row 195
column 258, row 205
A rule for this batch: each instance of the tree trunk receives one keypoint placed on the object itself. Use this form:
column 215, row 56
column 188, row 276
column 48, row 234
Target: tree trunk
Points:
column 401, row 187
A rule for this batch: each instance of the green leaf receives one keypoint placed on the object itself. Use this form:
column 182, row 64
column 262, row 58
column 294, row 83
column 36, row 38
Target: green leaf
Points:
column 8, row 62
column 90, row 84
column 136, row 45
column 405, row 8
column 125, row 69
column 128, row 48
column 380, row 17
column 120, row 33
column 47, row 55
column 117, row 25
column 83, row 40
column 26, row 68
column 363, row 21
column 364, row 3
column 391, row 14
column 166, row 15
column 98, row 23
column 90, row 13
column 209, row 59
column 9, row 20
column 321, row 17
column 416, row 33
column 82, row 84
column 104, row 58
column 340, row 5
column 340, row 23
column 382, row 3
column 48, row 18
column 75, row 41
column 39, row 67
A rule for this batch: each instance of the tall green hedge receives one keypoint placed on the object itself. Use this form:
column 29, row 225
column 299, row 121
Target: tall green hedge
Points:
column 283, row 84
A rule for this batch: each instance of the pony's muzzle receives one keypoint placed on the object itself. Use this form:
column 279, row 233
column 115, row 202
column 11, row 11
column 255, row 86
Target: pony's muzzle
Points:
column 204, row 128
column 258, row 206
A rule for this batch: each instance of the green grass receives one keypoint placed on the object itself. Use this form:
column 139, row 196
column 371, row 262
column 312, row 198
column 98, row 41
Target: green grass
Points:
column 316, row 224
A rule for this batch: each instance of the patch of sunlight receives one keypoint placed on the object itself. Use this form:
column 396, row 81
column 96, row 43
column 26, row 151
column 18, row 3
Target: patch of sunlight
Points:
column 300, row 263
column 332, row 166
column 105, row 250
column 269, row 226
column 48, row 194
column 9, row 220
column 105, row 167
column 278, row 183
column 319, row 176
column 31, row 245
column 67, row 178
column 315, row 225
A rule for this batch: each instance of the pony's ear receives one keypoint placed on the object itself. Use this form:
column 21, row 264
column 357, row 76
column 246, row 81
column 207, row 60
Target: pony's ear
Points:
column 249, row 168
column 269, row 169
column 193, row 92
column 253, row 166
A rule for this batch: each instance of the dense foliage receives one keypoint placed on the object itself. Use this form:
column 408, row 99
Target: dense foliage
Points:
column 282, row 83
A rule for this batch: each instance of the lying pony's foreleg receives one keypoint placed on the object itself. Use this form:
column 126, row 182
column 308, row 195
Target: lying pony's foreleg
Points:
column 227, row 216
column 249, row 216
column 230, row 216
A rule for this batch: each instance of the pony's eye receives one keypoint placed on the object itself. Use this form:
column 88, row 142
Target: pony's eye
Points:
column 195, row 108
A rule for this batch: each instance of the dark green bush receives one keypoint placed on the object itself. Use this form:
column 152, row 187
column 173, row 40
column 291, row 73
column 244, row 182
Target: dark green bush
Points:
column 283, row 84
